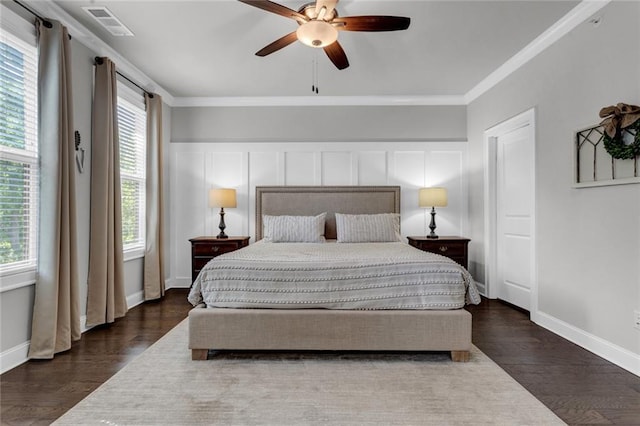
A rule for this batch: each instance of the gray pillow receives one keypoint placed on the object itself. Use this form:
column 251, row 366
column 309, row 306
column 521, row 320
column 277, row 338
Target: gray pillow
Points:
column 368, row 228
column 294, row 229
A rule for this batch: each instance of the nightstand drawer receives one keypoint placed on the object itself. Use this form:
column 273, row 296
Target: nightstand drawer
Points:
column 454, row 248
column 445, row 248
column 203, row 249
column 199, row 262
column 208, row 249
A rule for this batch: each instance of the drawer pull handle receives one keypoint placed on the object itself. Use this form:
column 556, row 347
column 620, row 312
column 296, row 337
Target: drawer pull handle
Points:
column 444, row 248
column 215, row 249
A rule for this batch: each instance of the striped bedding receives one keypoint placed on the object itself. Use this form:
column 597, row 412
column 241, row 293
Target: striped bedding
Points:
column 389, row 275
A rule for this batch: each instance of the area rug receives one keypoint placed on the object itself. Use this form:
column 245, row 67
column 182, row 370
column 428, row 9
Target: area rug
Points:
column 164, row 386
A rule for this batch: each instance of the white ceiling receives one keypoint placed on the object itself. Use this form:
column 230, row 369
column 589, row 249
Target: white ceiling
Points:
column 206, row 48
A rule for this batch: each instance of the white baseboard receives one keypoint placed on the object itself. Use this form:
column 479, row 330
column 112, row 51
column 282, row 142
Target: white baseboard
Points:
column 607, row 350
column 13, row 357
column 83, row 324
column 181, row 282
column 177, row 283
column 168, row 283
column 482, row 289
column 17, row 355
column 135, row 299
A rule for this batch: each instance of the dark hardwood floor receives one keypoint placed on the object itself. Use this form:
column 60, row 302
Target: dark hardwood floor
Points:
column 38, row 392
column 578, row 386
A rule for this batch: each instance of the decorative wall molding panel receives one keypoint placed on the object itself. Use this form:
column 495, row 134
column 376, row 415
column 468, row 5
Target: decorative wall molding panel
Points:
column 197, row 167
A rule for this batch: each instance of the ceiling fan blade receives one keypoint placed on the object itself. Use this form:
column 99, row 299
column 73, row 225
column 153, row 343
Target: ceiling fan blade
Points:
column 372, row 23
column 278, row 44
column 335, row 52
column 276, row 8
column 329, row 5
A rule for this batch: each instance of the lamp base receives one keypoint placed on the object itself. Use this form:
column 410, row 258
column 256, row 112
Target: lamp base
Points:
column 432, row 225
column 222, row 225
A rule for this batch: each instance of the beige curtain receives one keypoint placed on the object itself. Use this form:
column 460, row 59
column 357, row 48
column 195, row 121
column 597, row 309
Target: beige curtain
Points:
column 56, row 313
column 153, row 260
column 106, row 298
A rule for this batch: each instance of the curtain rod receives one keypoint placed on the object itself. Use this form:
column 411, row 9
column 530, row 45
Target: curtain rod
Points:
column 46, row 22
column 99, row 61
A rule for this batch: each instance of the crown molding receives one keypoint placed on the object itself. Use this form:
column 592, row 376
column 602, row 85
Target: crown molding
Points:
column 580, row 13
column 260, row 101
column 576, row 16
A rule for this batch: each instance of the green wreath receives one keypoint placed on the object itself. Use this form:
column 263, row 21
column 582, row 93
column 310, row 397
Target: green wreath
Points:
column 618, row 149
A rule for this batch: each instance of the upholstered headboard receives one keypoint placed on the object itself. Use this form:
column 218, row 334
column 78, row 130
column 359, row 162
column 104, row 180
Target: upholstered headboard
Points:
column 313, row 200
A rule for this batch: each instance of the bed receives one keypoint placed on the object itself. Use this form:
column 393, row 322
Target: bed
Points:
column 352, row 296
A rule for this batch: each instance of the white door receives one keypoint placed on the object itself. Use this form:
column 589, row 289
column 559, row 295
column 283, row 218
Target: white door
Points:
column 514, row 215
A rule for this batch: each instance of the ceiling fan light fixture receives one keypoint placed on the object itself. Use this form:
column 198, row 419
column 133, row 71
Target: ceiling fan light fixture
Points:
column 317, row 33
column 319, row 25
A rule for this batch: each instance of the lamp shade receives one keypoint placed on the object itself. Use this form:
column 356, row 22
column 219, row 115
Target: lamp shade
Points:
column 432, row 197
column 222, row 197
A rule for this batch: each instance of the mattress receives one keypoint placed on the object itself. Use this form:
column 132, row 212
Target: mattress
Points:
column 333, row 276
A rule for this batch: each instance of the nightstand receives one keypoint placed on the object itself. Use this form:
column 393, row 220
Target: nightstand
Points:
column 203, row 249
column 454, row 248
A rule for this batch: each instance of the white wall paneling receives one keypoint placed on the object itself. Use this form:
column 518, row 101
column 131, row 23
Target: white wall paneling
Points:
column 444, row 168
column 338, row 168
column 188, row 185
column 372, row 168
column 197, row 167
column 408, row 169
column 226, row 170
column 301, row 168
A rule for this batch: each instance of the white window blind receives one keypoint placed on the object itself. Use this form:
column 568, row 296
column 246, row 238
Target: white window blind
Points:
column 132, row 122
column 18, row 153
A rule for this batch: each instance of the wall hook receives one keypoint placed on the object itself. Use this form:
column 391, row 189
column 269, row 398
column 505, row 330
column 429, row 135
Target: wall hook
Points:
column 79, row 153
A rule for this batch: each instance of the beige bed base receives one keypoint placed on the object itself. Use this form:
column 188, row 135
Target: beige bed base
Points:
column 324, row 329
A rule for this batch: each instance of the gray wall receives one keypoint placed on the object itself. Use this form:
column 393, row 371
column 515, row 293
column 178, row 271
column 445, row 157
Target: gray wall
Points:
column 588, row 239
column 17, row 305
column 322, row 123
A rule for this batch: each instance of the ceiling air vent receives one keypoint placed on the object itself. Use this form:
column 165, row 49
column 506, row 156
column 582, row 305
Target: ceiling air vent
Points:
column 108, row 20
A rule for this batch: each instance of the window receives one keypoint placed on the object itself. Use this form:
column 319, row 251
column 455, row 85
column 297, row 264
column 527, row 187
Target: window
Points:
column 18, row 153
column 132, row 127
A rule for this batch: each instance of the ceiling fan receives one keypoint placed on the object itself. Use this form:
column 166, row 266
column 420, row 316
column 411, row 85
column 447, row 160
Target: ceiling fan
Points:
column 319, row 26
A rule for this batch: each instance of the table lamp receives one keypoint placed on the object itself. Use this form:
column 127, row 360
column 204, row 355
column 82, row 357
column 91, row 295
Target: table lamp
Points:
column 222, row 197
column 432, row 197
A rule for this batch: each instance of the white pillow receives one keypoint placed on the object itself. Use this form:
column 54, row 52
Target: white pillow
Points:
column 368, row 228
column 294, row 229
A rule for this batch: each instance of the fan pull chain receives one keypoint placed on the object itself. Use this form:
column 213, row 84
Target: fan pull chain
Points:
column 314, row 75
